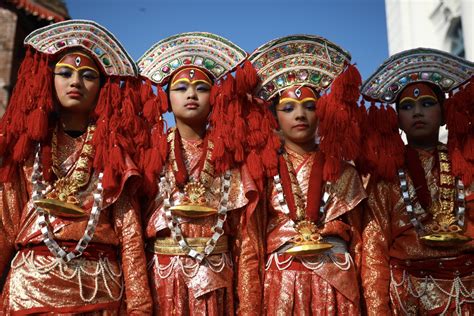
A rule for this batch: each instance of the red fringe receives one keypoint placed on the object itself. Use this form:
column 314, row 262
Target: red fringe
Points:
column 383, row 150
column 459, row 114
column 37, row 124
column 155, row 147
column 21, row 148
column 246, row 78
column 338, row 115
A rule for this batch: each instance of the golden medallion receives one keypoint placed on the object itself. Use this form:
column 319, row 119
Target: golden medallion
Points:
column 194, row 203
column 308, row 242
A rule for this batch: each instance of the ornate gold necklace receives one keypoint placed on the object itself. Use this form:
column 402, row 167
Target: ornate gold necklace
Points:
column 308, row 242
column 61, row 200
column 194, row 202
column 446, row 230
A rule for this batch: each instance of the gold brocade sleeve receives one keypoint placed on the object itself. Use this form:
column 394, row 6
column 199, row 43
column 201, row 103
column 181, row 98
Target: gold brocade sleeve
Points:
column 128, row 227
column 250, row 259
column 13, row 196
column 375, row 271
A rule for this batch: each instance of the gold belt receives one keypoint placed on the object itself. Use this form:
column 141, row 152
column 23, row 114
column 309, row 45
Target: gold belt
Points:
column 168, row 246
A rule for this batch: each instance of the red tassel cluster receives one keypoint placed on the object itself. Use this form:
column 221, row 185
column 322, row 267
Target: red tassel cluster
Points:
column 383, row 149
column 154, row 154
column 242, row 126
column 339, row 126
column 118, row 127
column 459, row 111
column 26, row 118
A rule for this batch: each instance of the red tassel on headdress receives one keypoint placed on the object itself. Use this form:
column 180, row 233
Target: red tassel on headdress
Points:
column 38, row 124
column 246, row 78
column 261, row 142
column 383, row 149
column 338, row 122
column 26, row 117
column 224, row 110
column 156, row 150
column 21, row 148
column 459, row 114
column 37, row 121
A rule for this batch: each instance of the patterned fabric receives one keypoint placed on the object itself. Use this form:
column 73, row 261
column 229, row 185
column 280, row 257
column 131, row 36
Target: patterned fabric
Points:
column 325, row 283
column 211, row 52
column 416, row 65
column 38, row 282
column 182, row 286
column 389, row 235
column 88, row 35
column 297, row 59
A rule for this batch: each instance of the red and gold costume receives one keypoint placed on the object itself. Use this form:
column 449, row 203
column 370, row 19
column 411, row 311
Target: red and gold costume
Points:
column 199, row 261
column 93, row 263
column 418, row 254
column 313, row 238
column 180, row 283
column 325, row 283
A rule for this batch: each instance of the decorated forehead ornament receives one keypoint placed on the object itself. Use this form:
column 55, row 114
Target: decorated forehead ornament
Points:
column 88, row 35
column 415, row 91
column 416, row 65
column 77, row 61
column 297, row 59
column 298, row 94
column 191, row 75
column 209, row 52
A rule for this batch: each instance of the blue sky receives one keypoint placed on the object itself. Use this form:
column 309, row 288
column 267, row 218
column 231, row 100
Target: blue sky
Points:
column 356, row 25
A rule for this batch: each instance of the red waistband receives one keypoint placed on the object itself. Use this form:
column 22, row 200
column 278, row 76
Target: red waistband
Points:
column 442, row 268
column 94, row 251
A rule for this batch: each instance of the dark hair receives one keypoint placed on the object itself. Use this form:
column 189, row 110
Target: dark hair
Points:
column 273, row 105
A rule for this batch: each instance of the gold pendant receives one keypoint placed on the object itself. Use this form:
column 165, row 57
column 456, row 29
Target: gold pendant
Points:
column 445, row 236
column 60, row 208
column 194, row 203
column 308, row 242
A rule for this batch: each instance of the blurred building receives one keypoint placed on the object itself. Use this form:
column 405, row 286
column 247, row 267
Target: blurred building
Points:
column 442, row 24
column 18, row 18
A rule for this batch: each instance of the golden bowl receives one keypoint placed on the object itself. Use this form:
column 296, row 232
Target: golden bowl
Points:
column 61, row 209
column 193, row 211
column 309, row 249
column 445, row 239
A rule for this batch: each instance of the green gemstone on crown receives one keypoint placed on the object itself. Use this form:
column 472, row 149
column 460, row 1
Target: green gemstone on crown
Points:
column 209, row 64
column 436, row 77
column 315, row 78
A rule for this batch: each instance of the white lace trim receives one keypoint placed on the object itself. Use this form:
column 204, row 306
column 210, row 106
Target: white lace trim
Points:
column 75, row 269
column 215, row 262
column 312, row 263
